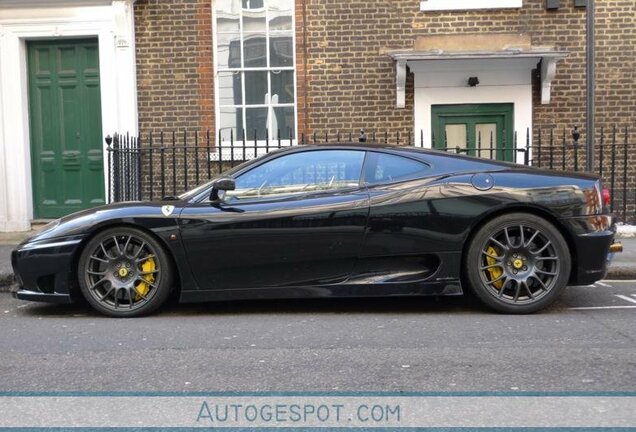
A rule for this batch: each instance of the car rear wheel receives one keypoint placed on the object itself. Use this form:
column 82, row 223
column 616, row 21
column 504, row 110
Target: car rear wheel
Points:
column 518, row 263
column 124, row 272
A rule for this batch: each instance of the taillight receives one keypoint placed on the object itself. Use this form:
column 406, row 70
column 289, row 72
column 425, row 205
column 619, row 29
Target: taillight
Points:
column 606, row 196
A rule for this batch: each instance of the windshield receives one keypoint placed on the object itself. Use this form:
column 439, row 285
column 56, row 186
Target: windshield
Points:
column 197, row 190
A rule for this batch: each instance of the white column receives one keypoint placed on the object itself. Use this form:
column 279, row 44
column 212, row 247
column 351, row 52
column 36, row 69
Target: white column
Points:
column 3, row 172
column 125, row 64
column 17, row 162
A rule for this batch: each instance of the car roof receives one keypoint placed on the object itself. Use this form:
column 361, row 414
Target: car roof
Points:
column 361, row 146
column 416, row 152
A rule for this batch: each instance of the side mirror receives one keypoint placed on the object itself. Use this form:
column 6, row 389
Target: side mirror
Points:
column 221, row 185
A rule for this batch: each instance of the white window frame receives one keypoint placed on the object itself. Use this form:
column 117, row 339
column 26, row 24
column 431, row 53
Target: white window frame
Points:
column 449, row 5
column 273, row 139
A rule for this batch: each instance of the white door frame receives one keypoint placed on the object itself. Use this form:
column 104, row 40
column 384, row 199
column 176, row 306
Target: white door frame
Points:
column 112, row 23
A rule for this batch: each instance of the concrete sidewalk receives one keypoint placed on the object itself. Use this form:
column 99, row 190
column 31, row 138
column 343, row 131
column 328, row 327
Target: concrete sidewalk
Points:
column 623, row 265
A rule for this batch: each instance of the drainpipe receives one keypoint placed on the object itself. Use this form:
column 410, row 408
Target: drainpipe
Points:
column 590, row 106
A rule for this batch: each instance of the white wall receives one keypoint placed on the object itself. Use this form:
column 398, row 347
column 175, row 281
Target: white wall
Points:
column 438, row 5
column 439, row 82
column 112, row 23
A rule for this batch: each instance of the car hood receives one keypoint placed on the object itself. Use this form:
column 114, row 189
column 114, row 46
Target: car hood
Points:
column 85, row 221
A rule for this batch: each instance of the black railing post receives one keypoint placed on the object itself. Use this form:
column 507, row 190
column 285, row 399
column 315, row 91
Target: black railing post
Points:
column 539, row 145
column 127, row 176
column 564, row 149
column 625, row 176
column 576, row 135
column 185, row 159
column 479, row 144
column 613, row 178
column 109, row 155
column 196, row 156
column 151, row 166
column 600, row 161
column 163, row 167
column 207, row 154
column 220, row 147
column 139, row 167
column 116, row 168
column 527, row 158
column 551, row 148
column 174, row 163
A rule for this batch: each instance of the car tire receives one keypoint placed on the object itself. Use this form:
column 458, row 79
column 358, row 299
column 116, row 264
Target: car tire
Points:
column 517, row 263
column 124, row 272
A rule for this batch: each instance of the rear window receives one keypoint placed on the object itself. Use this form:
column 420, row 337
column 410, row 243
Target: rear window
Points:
column 387, row 168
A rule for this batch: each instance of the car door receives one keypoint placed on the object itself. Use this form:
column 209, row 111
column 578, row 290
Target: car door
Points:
column 403, row 220
column 295, row 220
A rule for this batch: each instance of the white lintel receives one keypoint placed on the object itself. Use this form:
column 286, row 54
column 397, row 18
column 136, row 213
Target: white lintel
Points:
column 545, row 58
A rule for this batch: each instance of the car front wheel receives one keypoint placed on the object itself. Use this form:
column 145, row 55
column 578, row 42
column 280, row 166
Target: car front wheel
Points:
column 518, row 263
column 124, row 272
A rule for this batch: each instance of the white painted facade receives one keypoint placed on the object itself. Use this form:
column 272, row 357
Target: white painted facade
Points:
column 442, row 5
column 112, row 22
column 444, row 82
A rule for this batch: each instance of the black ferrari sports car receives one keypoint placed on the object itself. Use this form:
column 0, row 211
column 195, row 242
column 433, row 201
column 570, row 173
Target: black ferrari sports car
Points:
column 333, row 221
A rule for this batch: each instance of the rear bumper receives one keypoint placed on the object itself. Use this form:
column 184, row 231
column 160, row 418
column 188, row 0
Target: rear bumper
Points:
column 592, row 237
column 44, row 270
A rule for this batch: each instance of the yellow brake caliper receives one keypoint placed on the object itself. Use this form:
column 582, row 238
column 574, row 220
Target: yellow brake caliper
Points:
column 495, row 272
column 143, row 287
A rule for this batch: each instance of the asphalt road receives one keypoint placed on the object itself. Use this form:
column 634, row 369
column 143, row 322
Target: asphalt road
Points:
column 422, row 344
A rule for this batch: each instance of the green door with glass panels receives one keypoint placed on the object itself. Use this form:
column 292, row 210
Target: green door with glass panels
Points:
column 484, row 130
column 66, row 127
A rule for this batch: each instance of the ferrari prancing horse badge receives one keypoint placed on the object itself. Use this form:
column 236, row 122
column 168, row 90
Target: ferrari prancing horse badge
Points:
column 167, row 210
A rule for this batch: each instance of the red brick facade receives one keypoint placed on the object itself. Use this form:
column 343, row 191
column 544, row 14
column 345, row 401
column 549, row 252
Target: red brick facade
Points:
column 346, row 80
column 174, row 65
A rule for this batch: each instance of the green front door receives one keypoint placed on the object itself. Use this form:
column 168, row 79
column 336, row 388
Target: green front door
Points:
column 66, row 126
column 484, row 130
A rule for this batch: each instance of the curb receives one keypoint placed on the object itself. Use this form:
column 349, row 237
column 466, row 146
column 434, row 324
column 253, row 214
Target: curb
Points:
column 621, row 273
column 6, row 282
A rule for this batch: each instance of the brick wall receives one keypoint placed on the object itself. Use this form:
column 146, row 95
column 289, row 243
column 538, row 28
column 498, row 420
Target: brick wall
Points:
column 351, row 80
column 174, row 64
column 346, row 80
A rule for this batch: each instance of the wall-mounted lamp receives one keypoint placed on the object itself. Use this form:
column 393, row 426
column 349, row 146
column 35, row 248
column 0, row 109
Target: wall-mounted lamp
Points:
column 473, row 81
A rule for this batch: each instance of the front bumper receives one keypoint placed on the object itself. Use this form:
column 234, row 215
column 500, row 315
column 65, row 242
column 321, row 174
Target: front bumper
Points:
column 38, row 296
column 592, row 238
column 44, row 269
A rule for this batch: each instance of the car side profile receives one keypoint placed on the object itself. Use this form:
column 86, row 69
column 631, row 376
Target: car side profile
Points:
column 348, row 220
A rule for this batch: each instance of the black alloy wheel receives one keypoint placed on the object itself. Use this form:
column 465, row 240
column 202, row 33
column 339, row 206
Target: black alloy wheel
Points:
column 124, row 272
column 518, row 263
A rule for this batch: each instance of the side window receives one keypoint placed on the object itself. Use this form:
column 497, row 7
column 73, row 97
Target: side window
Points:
column 298, row 173
column 386, row 168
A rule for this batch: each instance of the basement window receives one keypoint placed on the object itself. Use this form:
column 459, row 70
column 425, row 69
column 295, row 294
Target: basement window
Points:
column 445, row 5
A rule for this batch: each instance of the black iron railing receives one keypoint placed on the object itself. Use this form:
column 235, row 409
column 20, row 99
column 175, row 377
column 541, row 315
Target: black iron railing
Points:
column 152, row 166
